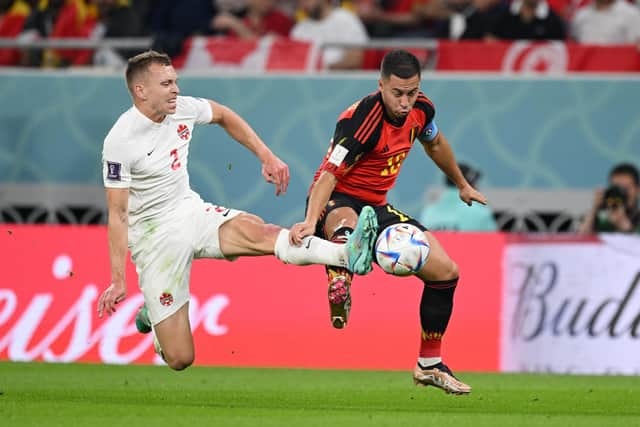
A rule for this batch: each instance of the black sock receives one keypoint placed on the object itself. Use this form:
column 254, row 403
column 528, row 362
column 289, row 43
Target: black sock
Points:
column 436, row 306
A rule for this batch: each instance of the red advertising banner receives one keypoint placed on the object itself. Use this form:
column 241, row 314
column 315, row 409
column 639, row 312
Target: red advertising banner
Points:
column 275, row 54
column 232, row 54
column 251, row 312
column 541, row 57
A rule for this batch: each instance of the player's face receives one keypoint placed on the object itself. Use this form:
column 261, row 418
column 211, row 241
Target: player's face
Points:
column 399, row 95
column 161, row 89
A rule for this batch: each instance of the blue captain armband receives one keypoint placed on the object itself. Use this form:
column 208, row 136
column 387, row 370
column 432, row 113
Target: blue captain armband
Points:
column 429, row 132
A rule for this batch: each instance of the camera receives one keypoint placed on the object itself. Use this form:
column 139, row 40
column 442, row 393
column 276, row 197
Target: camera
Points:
column 614, row 197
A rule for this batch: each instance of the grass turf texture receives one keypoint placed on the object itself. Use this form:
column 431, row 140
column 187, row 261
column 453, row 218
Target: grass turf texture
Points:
column 102, row 395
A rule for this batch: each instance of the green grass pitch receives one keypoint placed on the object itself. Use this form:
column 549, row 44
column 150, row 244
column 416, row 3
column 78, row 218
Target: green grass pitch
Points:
column 38, row 394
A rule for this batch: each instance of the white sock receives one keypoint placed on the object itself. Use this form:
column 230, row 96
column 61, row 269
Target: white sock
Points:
column 428, row 361
column 313, row 250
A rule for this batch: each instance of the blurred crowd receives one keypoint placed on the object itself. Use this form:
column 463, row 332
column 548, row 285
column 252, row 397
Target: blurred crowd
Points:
column 170, row 22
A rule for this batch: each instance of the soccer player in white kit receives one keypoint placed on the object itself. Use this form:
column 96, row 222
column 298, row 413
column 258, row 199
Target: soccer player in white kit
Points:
column 153, row 211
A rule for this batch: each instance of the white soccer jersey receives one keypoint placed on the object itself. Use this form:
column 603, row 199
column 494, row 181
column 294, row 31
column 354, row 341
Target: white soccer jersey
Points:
column 151, row 158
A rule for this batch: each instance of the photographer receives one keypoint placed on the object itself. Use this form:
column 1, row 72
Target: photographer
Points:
column 615, row 209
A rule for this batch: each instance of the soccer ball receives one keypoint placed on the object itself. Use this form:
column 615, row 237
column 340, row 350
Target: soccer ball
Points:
column 402, row 249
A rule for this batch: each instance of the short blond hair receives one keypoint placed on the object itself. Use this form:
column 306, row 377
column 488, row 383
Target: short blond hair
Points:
column 139, row 64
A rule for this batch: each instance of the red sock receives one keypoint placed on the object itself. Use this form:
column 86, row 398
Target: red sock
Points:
column 430, row 344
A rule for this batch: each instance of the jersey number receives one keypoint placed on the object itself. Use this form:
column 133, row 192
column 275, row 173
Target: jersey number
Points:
column 176, row 161
column 393, row 164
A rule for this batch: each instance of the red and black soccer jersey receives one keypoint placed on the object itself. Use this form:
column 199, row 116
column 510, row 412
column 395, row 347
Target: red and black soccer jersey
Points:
column 368, row 148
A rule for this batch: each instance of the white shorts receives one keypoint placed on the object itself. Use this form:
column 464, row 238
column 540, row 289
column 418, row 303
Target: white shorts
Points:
column 163, row 253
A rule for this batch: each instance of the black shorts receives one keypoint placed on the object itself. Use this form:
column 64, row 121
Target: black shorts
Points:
column 387, row 215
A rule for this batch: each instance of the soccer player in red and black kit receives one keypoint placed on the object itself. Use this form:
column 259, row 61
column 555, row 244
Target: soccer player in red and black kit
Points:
column 371, row 140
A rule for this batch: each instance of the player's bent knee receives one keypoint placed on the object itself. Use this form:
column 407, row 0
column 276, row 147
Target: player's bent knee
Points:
column 179, row 361
column 453, row 271
column 443, row 270
column 263, row 238
column 271, row 232
column 179, row 364
column 446, row 270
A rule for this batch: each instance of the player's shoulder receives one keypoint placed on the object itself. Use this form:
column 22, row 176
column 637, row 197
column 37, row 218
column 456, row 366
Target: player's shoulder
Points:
column 424, row 104
column 190, row 104
column 123, row 128
column 193, row 110
column 363, row 107
column 184, row 100
column 423, row 101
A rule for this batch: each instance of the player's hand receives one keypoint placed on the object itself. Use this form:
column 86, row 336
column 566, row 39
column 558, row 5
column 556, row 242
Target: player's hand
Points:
column 275, row 171
column 115, row 293
column 469, row 194
column 299, row 231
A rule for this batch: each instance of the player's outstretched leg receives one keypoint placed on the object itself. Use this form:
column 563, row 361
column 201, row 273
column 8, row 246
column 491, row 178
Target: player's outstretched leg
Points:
column 439, row 375
column 143, row 324
column 360, row 243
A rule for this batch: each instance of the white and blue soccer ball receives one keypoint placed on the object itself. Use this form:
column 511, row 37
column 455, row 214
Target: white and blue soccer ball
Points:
column 402, row 249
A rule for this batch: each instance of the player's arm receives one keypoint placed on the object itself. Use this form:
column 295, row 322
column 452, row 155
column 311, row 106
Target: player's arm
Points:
column 439, row 150
column 117, row 223
column 319, row 196
column 274, row 170
column 318, row 199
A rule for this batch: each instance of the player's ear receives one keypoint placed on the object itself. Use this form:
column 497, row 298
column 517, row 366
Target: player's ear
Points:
column 139, row 91
column 380, row 84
